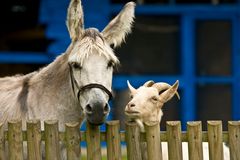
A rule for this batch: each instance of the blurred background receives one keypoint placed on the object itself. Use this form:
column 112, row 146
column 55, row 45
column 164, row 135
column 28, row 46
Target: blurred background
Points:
column 194, row 41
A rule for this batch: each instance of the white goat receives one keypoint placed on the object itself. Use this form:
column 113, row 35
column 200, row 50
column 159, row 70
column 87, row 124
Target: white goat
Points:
column 146, row 107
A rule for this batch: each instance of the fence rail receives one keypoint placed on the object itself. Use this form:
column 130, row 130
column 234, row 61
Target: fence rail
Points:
column 135, row 140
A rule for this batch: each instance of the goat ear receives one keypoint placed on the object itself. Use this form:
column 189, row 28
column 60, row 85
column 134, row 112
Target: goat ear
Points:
column 75, row 19
column 169, row 93
column 149, row 83
column 131, row 88
column 115, row 32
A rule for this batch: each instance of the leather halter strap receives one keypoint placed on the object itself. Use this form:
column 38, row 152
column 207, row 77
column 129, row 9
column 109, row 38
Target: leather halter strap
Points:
column 88, row 86
column 95, row 85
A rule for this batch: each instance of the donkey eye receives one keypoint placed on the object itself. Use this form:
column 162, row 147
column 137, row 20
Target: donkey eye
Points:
column 76, row 65
column 110, row 64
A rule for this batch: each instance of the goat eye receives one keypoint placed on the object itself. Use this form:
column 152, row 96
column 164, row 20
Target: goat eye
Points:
column 154, row 98
column 131, row 96
column 76, row 65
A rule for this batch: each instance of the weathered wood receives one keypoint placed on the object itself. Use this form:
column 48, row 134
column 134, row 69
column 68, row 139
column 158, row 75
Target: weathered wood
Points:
column 15, row 140
column 93, row 142
column 154, row 148
column 133, row 141
column 2, row 143
column 72, row 136
column 113, row 140
column 194, row 134
column 174, row 140
column 34, row 140
column 215, row 140
column 52, row 140
column 234, row 139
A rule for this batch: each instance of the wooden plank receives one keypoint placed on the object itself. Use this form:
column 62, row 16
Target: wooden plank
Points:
column 2, row 142
column 174, row 140
column 133, row 141
column 113, row 140
column 93, row 142
column 234, row 139
column 154, row 150
column 15, row 140
column 34, row 140
column 194, row 134
column 51, row 140
column 72, row 136
column 215, row 140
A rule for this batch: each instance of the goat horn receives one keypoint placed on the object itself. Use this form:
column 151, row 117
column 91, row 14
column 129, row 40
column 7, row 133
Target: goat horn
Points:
column 169, row 93
column 149, row 83
column 131, row 88
column 163, row 86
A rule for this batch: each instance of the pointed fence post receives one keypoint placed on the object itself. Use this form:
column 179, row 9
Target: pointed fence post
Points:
column 133, row 141
column 194, row 136
column 52, row 140
column 34, row 140
column 215, row 142
column 234, row 139
column 113, row 140
column 72, row 136
column 93, row 142
column 174, row 140
column 154, row 149
column 15, row 140
column 2, row 142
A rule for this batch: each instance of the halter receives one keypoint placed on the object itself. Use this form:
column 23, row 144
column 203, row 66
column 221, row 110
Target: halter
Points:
column 88, row 86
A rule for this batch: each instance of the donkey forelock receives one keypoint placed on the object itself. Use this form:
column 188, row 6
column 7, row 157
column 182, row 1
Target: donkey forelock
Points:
column 92, row 42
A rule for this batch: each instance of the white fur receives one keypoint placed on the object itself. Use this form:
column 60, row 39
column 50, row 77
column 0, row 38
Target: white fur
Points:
column 150, row 112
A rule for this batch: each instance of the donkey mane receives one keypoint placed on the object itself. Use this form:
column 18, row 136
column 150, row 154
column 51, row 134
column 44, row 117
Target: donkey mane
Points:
column 92, row 41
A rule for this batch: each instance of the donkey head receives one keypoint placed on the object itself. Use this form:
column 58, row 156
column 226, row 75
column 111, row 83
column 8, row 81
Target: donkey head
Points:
column 91, row 59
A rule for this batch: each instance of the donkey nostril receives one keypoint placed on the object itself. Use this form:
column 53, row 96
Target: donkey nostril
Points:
column 106, row 108
column 88, row 108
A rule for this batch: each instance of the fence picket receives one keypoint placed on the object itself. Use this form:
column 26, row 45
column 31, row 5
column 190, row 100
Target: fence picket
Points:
column 2, row 143
column 15, row 140
column 215, row 142
column 234, row 139
column 194, row 134
column 133, row 141
column 113, row 140
column 34, row 140
column 52, row 140
column 93, row 142
column 72, row 136
column 140, row 146
column 174, row 140
column 154, row 149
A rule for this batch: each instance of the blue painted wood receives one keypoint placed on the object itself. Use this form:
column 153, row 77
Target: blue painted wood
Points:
column 25, row 58
column 180, row 9
column 120, row 81
column 97, row 13
column 236, row 68
column 188, row 108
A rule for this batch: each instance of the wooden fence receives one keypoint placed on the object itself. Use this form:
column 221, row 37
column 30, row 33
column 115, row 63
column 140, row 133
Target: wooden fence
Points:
column 112, row 136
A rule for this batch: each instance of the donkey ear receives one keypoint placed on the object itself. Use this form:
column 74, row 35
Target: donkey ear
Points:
column 75, row 19
column 115, row 32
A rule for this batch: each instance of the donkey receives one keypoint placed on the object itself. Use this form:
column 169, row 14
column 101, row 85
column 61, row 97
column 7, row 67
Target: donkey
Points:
column 77, row 84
